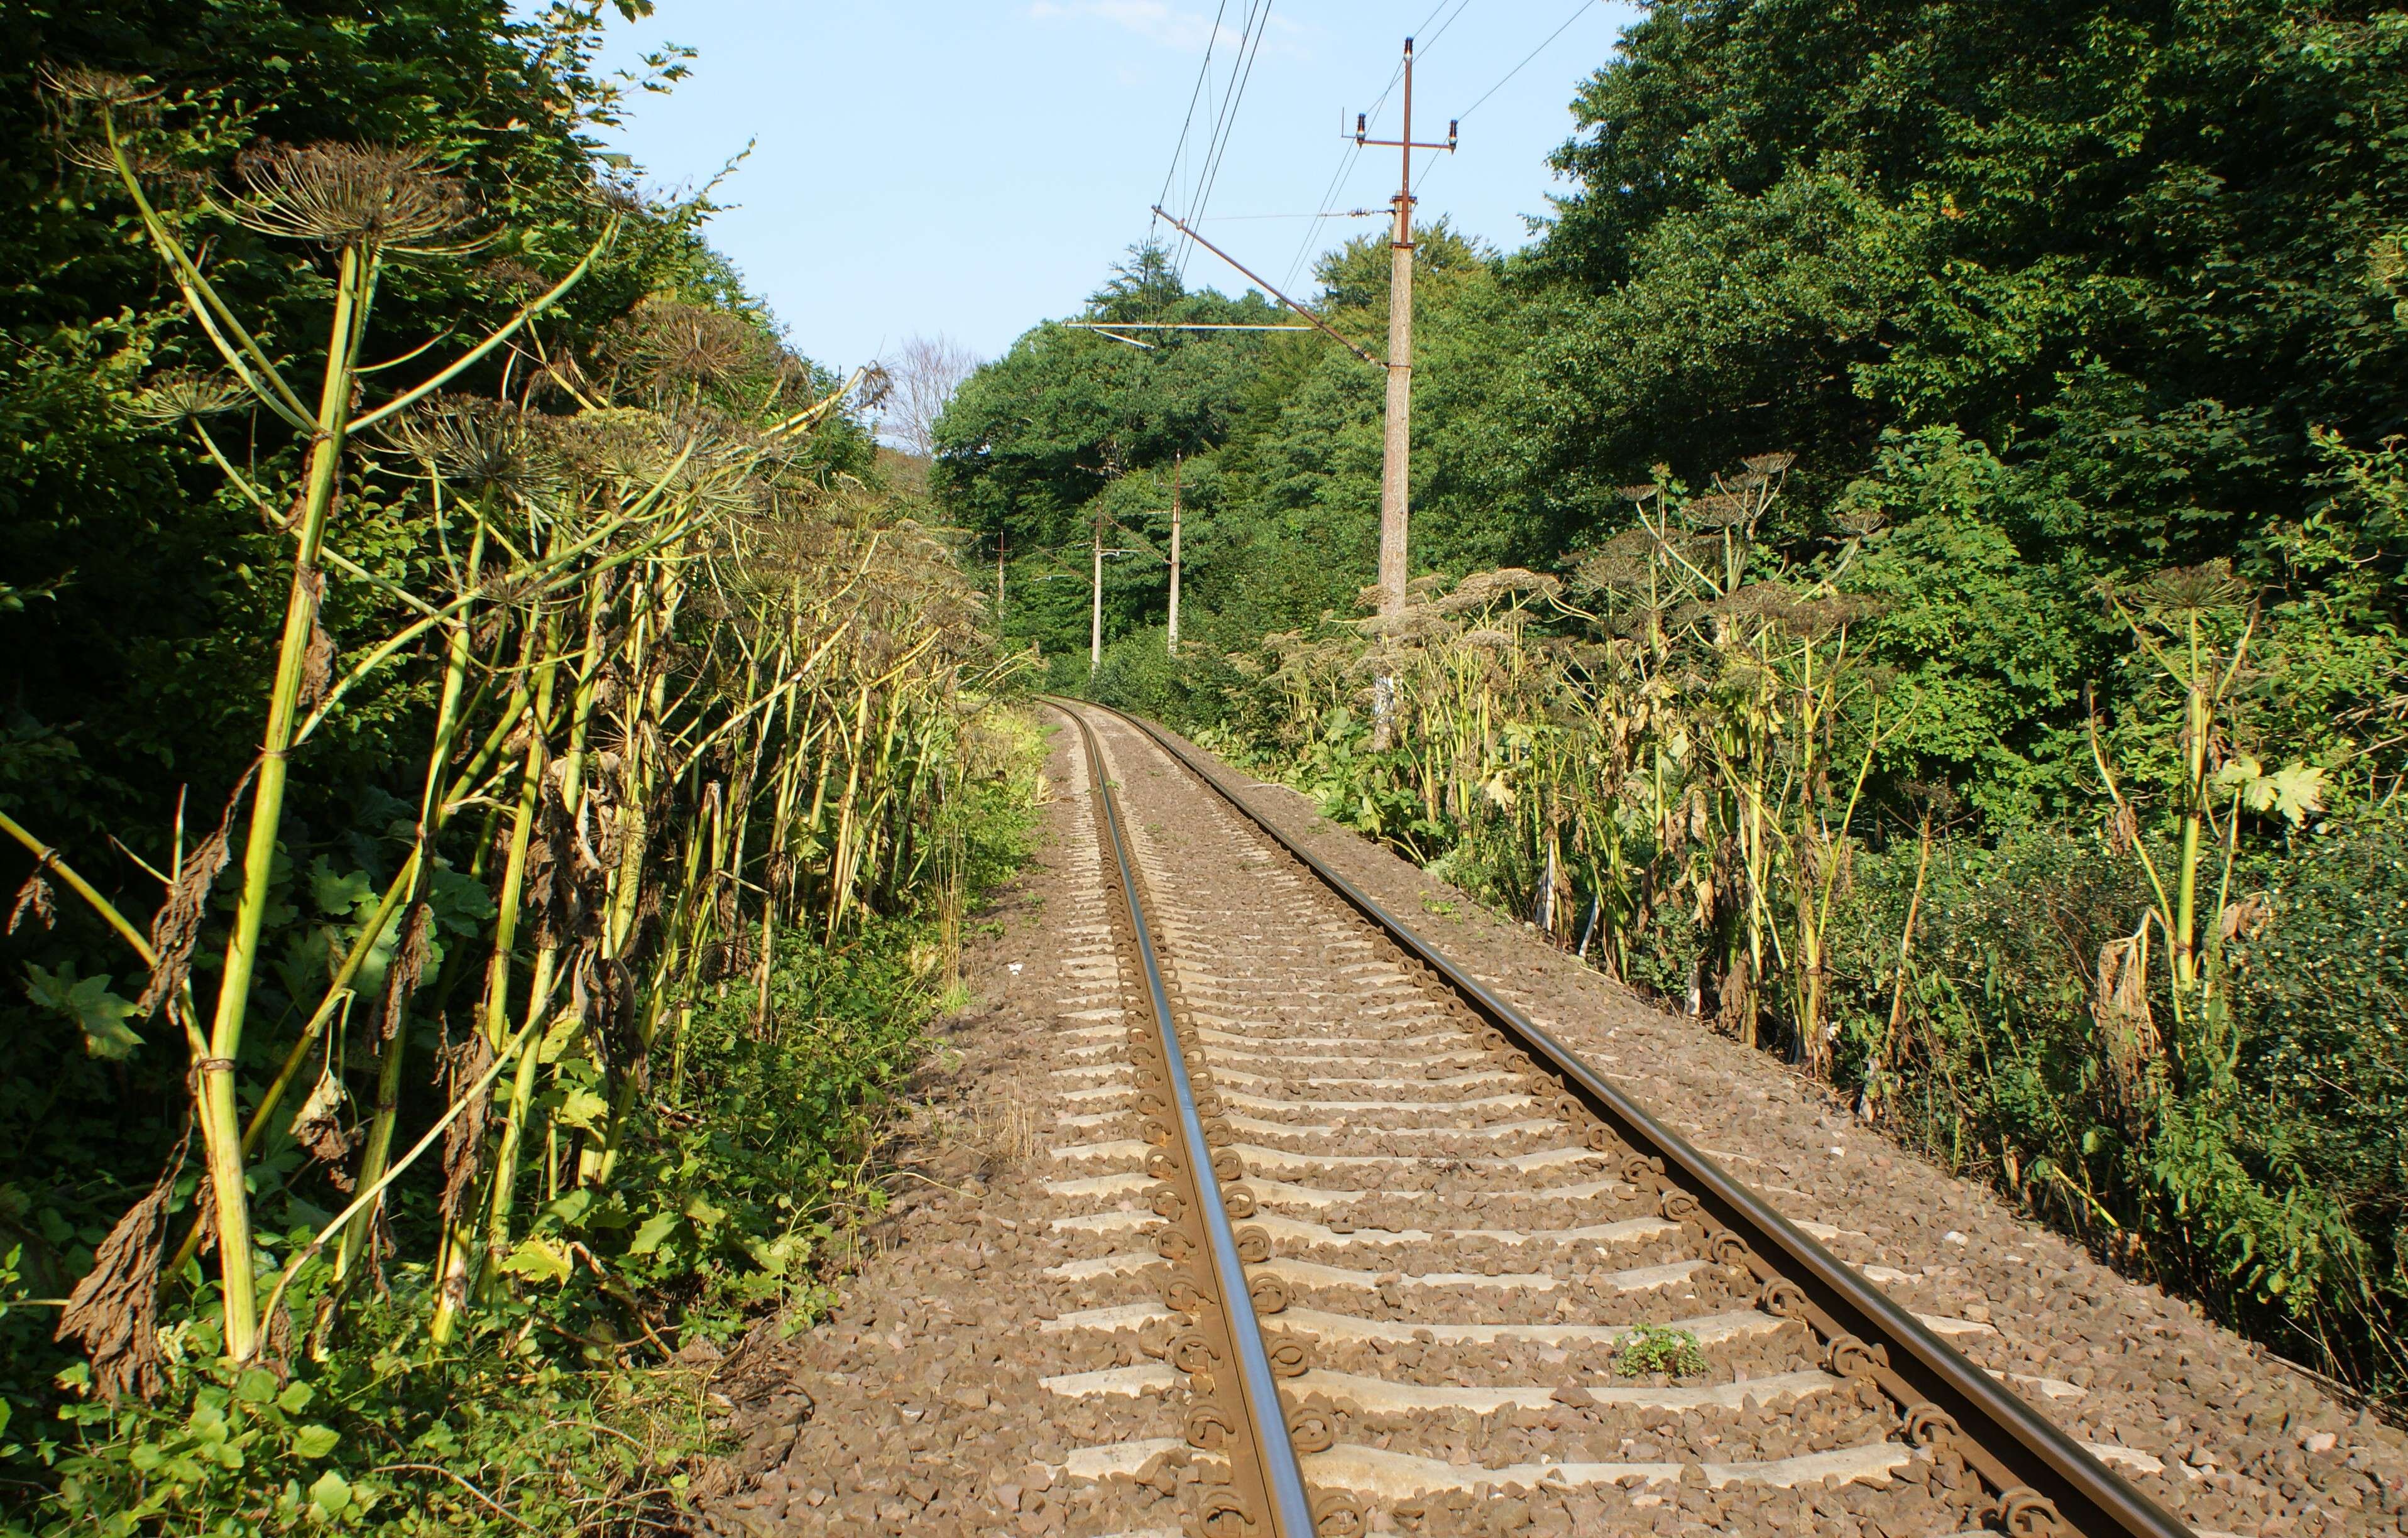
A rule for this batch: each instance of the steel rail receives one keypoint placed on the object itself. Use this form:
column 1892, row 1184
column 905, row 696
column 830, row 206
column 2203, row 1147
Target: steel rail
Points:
column 1291, row 1514
column 2017, row 1450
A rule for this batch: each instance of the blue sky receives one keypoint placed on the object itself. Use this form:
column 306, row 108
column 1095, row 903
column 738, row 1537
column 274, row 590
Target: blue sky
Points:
column 972, row 166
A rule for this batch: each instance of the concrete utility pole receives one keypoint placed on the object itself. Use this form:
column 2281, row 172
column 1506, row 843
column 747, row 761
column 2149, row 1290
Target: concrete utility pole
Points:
column 1175, row 460
column 998, row 579
column 1396, row 460
column 1096, row 630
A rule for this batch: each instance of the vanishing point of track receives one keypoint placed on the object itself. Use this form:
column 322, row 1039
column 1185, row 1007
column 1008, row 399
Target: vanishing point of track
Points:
column 1324, row 1101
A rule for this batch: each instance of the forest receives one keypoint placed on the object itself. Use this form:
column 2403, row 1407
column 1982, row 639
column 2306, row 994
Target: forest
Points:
column 494, row 779
column 1907, row 572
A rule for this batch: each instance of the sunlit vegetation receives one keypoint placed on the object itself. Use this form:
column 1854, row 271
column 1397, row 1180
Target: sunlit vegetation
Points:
column 478, row 982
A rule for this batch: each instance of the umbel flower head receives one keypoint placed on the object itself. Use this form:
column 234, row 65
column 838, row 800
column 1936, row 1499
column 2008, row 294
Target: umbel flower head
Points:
column 98, row 87
column 182, row 395
column 2188, row 593
column 352, row 194
column 81, row 100
column 672, row 344
column 490, row 446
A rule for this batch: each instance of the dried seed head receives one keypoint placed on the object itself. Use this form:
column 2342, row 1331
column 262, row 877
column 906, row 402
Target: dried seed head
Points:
column 1770, row 465
column 513, row 278
column 1720, row 510
column 1637, row 493
column 82, row 105
column 673, row 344
column 877, row 385
column 489, row 445
column 182, row 395
column 1482, row 589
column 1859, row 522
column 84, row 85
column 1825, row 614
column 2187, row 592
column 352, row 194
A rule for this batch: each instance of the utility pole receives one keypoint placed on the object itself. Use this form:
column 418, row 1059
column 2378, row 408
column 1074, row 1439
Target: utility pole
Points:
column 1396, row 460
column 998, row 581
column 1095, row 628
column 1175, row 461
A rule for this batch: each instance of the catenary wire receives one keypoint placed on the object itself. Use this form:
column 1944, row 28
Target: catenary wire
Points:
column 1352, row 153
column 1584, row 6
column 1202, row 73
column 1220, row 153
column 1517, row 69
column 1219, row 93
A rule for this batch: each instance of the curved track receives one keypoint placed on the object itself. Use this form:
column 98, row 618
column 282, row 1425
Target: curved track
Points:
column 1413, row 1251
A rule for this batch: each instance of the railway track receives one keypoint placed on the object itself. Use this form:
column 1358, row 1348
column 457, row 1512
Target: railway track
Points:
column 1367, row 1249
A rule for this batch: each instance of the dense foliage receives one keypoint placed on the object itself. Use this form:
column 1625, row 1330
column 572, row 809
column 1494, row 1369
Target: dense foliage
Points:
column 491, row 784
column 1911, row 571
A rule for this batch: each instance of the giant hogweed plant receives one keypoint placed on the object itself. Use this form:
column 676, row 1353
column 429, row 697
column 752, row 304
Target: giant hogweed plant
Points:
column 683, row 696
column 1680, row 734
column 1662, row 762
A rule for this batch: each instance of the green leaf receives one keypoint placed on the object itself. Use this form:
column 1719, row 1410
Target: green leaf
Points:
column 338, row 893
column 2238, row 770
column 295, row 1398
column 314, row 1441
column 331, row 1494
column 88, row 1002
column 656, row 1229
column 2299, row 790
column 257, row 1386
column 582, row 1108
column 460, row 902
column 538, row 1260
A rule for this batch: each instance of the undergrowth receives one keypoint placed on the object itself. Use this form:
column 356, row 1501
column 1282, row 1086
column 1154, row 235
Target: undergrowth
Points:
column 578, row 1403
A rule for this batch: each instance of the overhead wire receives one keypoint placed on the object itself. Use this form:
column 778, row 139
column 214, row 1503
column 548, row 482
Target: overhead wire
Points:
column 1461, row 6
column 1352, row 153
column 1543, row 44
column 1247, row 55
column 1203, row 72
column 1218, row 95
column 1325, row 213
column 1517, row 69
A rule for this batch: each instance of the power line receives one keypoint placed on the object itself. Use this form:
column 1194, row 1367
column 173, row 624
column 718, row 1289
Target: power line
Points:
column 1220, row 108
column 1326, row 213
column 1526, row 60
column 1220, row 94
column 1424, row 46
column 1345, row 163
column 1353, row 151
column 1202, row 73
column 1237, row 94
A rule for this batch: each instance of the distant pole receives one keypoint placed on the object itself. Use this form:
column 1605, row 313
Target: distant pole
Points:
column 1396, row 460
column 1096, row 626
column 998, row 580
column 1175, row 460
